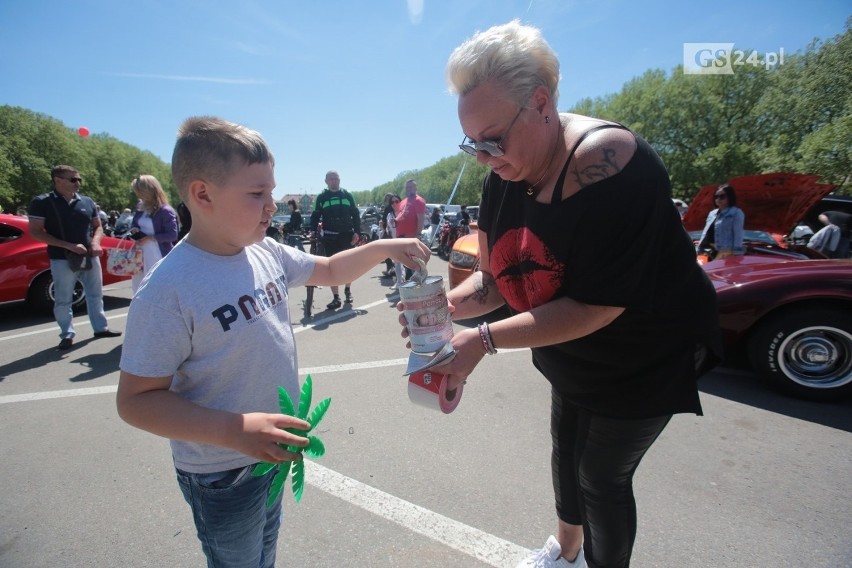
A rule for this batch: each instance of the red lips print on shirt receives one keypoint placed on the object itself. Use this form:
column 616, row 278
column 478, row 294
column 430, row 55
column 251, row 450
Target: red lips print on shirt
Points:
column 527, row 273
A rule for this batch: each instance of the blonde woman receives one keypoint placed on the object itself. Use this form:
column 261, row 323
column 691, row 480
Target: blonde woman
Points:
column 155, row 221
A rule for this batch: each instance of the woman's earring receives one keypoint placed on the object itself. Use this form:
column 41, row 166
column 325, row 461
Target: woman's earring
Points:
column 547, row 120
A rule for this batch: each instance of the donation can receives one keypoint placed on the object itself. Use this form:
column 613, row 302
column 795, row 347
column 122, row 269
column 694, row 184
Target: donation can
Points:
column 429, row 324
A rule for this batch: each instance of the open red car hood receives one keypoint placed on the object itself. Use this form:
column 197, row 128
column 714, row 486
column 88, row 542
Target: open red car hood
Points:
column 771, row 202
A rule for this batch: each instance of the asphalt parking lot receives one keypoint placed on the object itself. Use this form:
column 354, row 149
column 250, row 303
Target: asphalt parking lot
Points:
column 760, row 481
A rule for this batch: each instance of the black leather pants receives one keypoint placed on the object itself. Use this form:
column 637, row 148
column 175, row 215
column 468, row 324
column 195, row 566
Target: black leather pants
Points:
column 594, row 459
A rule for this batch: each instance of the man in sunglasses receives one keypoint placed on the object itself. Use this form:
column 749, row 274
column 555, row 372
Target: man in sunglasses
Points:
column 68, row 222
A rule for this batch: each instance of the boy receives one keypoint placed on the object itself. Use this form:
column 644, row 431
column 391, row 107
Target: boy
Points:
column 209, row 338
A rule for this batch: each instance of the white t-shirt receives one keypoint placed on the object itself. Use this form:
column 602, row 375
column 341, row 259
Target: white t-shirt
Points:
column 220, row 326
column 391, row 224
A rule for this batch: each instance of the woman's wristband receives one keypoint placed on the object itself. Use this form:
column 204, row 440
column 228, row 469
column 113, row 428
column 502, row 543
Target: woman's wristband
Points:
column 485, row 338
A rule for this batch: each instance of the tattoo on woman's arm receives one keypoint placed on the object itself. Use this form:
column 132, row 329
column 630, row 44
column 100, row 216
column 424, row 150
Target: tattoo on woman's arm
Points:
column 595, row 172
column 481, row 289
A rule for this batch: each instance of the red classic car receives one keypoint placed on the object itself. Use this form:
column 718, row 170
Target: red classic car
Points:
column 784, row 309
column 791, row 318
column 25, row 268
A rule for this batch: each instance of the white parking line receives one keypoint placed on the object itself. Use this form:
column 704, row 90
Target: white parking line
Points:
column 30, row 396
column 478, row 544
column 483, row 546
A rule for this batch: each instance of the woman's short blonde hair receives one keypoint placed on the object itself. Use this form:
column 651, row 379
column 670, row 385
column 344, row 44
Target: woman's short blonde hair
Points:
column 514, row 56
column 150, row 192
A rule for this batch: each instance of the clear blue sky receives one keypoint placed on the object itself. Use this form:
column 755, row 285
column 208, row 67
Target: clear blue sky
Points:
column 356, row 86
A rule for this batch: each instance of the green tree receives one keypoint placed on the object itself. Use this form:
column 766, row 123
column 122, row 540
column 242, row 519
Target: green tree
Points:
column 32, row 143
column 805, row 117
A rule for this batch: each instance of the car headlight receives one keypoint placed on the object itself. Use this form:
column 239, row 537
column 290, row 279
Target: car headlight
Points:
column 461, row 259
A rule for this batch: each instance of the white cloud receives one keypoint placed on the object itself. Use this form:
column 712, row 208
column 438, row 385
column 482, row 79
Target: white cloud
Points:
column 415, row 11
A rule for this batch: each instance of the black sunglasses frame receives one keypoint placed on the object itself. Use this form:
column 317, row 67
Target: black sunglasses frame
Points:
column 493, row 148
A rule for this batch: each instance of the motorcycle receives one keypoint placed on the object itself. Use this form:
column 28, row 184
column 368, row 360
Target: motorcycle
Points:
column 448, row 233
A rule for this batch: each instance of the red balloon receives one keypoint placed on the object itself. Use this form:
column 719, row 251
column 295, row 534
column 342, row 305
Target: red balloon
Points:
column 83, row 131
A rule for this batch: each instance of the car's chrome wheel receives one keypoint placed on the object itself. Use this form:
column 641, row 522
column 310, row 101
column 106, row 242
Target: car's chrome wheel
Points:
column 807, row 352
column 41, row 295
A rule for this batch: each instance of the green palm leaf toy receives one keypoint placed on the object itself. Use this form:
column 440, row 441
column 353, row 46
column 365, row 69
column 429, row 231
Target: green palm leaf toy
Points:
column 315, row 448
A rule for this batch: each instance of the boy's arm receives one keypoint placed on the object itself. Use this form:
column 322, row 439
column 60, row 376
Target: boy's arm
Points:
column 148, row 404
column 348, row 265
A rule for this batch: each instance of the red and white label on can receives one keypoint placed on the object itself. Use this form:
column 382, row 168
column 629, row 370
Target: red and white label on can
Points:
column 427, row 312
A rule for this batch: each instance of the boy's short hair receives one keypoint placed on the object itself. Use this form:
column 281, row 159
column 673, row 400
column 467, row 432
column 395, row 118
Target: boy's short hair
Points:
column 210, row 148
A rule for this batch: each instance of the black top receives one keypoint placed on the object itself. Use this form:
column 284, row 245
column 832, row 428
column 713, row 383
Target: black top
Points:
column 294, row 225
column 338, row 213
column 74, row 219
column 617, row 242
column 185, row 219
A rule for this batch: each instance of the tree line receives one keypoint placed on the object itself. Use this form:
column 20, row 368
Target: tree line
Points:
column 32, row 143
column 794, row 117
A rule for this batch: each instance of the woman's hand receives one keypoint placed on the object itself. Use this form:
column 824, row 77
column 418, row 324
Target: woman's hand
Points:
column 469, row 353
column 466, row 344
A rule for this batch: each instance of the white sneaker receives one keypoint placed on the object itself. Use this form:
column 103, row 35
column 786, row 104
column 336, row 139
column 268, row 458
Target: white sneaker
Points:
column 549, row 557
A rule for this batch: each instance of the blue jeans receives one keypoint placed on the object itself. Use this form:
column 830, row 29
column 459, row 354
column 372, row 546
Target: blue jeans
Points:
column 64, row 280
column 296, row 242
column 234, row 526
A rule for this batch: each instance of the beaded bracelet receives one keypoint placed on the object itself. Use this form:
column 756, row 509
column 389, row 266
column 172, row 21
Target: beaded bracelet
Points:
column 485, row 337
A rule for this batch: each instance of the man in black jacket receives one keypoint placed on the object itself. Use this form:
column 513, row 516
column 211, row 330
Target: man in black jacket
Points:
column 341, row 222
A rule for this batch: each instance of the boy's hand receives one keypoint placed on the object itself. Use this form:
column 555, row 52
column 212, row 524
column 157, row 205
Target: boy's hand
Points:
column 261, row 433
column 407, row 251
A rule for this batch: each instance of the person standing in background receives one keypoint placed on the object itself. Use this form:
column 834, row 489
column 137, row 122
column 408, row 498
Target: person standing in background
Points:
column 184, row 219
column 390, row 222
column 411, row 216
column 122, row 224
column 844, row 223
column 464, row 221
column 723, row 231
column 293, row 227
column 69, row 223
column 341, row 223
column 827, row 239
column 434, row 222
column 156, row 221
